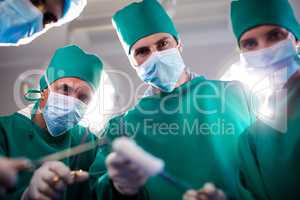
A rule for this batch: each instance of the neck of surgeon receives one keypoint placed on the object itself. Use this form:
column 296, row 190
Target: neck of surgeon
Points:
column 39, row 120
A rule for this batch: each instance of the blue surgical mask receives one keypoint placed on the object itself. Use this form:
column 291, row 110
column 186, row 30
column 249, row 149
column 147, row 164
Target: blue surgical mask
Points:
column 19, row 19
column 162, row 70
column 62, row 113
column 281, row 60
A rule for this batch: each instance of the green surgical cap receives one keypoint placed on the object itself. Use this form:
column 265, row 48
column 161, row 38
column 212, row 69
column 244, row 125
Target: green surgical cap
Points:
column 248, row 14
column 73, row 62
column 139, row 20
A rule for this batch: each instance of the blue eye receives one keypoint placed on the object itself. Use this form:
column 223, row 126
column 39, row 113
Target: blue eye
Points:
column 249, row 44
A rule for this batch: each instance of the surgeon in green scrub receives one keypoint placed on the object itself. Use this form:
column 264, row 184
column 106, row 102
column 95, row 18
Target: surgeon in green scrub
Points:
column 268, row 35
column 188, row 121
column 51, row 125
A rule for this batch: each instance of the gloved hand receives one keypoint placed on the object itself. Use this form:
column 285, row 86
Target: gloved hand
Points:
column 126, row 176
column 51, row 180
column 208, row 192
column 8, row 172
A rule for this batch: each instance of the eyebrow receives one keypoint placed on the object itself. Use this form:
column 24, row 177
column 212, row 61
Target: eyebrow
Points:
column 80, row 88
column 62, row 85
column 275, row 30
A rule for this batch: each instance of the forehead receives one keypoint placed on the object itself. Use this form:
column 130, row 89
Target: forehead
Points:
column 73, row 82
column 151, row 39
column 260, row 31
column 55, row 6
column 55, row 2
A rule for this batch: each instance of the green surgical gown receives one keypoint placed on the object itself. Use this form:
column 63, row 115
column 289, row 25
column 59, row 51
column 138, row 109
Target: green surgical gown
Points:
column 194, row 129
column 270, row 157
column 21, row 137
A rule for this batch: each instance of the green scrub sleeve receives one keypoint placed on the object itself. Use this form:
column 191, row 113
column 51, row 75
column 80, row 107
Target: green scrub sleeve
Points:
column 16, row 194
column 248, row 175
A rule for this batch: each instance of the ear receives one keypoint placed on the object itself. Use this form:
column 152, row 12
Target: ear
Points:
column 44, row 97
column 239, row 50
column 39, row 5
column 132, row 61
column 180, row 46
column 298, row 45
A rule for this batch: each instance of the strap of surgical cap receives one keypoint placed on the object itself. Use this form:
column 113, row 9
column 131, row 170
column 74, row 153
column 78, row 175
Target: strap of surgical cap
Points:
column 31, row 92
column 33, row 99
column 35, row 109
column 28, row 94
column 47, row 81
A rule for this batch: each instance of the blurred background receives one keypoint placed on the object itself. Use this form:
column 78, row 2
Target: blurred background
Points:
column 204, row 27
